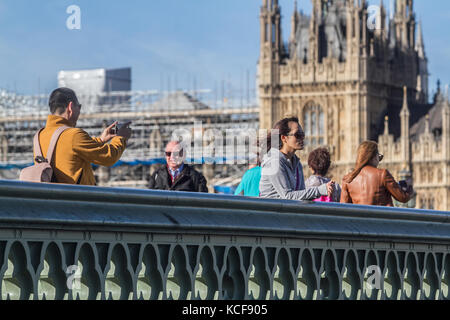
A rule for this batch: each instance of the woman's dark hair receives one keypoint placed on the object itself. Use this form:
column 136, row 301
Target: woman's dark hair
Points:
column 319, row 160
column 60, row 99
column 282, row 128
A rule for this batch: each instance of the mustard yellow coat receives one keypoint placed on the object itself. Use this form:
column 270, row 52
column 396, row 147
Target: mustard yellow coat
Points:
column 76, row 151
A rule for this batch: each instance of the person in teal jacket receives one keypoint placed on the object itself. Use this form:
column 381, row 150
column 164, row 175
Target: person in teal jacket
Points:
column 249, row 185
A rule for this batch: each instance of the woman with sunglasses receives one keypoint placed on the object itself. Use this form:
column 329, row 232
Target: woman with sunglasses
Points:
column 368, row 185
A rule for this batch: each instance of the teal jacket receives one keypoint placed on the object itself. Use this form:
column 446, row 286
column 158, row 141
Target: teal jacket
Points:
column 249, row 185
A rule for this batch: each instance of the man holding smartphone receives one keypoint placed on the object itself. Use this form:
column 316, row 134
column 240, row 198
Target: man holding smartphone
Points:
column 76, row 150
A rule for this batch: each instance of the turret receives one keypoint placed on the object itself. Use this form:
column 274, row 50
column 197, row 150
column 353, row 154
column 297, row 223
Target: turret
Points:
column 313, row 32
column 422, row 76
column 446, row 126
column 380, row 31
column 270, row 20
column 405, row 132
column 294, row 23
column 405, row 23
column 364, row 40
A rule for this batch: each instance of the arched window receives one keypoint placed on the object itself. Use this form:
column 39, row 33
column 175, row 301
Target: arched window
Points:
column 314, row 122
column 431, row 203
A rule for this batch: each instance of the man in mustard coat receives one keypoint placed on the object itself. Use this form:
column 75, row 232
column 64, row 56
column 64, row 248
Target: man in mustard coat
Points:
column 76, row 150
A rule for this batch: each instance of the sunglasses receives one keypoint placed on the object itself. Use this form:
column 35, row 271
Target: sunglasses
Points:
column 176, row 153
column 297, row 135
column 380, row 157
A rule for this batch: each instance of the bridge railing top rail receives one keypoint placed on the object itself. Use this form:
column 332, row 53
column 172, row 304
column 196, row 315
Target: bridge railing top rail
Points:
column 29, row 205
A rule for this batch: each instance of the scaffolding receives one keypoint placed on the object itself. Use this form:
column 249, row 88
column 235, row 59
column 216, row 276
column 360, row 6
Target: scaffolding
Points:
column 155, row 117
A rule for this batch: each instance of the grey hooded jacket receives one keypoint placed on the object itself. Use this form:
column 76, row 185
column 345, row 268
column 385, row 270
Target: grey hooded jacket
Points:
column 281, row 179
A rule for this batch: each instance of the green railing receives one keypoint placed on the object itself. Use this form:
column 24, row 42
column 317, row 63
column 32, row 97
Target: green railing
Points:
column 74, row 242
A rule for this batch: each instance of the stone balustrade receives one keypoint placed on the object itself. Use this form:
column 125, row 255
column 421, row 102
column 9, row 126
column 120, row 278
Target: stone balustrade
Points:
column 76, row 242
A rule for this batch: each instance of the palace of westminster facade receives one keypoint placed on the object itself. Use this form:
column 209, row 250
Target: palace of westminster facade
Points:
column 349, row 79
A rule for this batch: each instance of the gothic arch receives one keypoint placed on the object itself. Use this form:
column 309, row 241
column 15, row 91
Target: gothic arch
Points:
column 295, row 106
column 430, row 175
column 440, row 176
column 313, row 119
column 431, row 203
column 423, row 175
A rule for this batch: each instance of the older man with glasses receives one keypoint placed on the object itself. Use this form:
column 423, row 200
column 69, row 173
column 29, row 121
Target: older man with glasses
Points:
column 176, row 175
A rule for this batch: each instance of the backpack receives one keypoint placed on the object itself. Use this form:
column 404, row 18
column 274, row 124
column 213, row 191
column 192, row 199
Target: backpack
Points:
column 42, row 170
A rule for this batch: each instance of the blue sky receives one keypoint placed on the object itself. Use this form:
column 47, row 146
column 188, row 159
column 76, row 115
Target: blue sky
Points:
column 167, row 43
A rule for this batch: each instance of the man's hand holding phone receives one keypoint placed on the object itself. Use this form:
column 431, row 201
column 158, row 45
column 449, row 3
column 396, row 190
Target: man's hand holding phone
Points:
column 116, row 129
column 123, row 130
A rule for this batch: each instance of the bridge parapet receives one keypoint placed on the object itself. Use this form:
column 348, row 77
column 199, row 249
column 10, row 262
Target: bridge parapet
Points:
column 75, row 242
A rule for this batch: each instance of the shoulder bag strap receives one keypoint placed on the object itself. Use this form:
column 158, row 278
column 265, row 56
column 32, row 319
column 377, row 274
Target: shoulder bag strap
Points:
column 36, row 145
column 53, row 141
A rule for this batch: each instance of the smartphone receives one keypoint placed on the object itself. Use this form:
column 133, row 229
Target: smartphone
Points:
column 119, row 125
column 403, row 184
column 115, row 129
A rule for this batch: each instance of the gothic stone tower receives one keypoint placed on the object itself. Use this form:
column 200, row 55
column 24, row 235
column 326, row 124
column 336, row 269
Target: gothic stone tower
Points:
column 342, row 72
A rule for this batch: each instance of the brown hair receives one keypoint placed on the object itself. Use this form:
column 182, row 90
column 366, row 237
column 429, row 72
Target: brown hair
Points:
column 319, row 160
column 366, row 151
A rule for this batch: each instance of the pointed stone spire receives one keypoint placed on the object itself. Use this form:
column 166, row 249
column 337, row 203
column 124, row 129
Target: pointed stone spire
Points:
column 446, row 126
column 427, row 123
column 405, row 107
column 405, row 131
column 438, row 94
column 446, row 103
column 420, row 46
column 381, row 22
column 294, row 23
column 274, row 5
column 313, row 31
column 365, row 38
column 386, row 125
column 446, row 107
column 270, row 20
column 410, row 8
column 402, row 20
column 357, row 19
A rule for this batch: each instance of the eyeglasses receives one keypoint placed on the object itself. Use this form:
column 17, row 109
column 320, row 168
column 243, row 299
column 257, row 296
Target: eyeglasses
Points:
column 298, row 135
column 175, row 153
column 380, row 157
